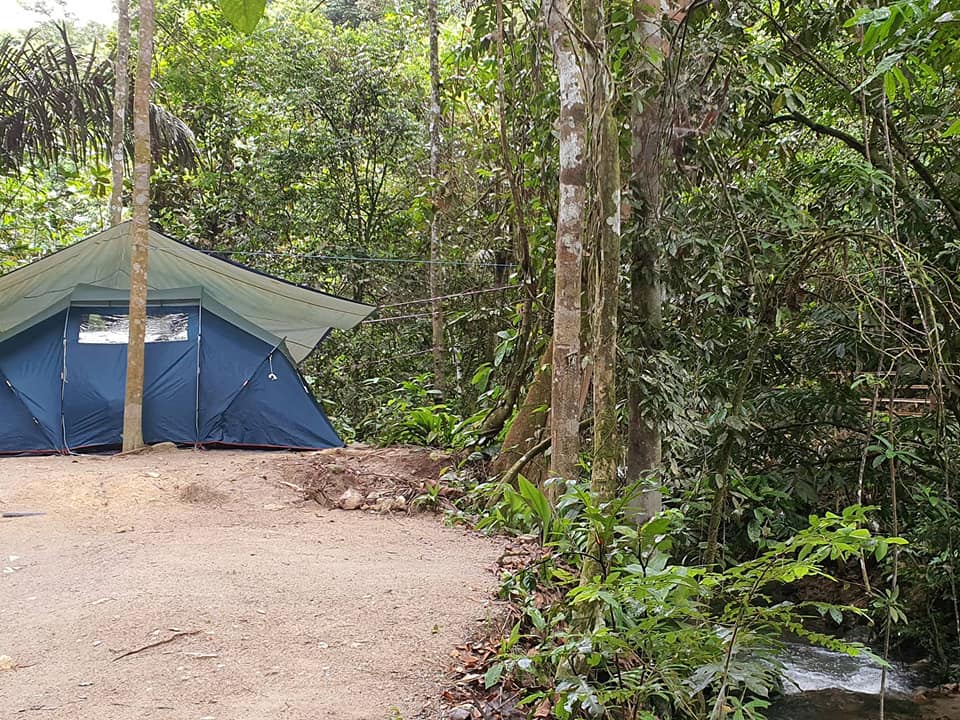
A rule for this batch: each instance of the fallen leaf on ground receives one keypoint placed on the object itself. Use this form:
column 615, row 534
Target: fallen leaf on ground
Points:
column 543, row 709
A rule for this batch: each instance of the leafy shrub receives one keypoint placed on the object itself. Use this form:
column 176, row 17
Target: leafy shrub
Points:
column 408, row 417
column 645, row 637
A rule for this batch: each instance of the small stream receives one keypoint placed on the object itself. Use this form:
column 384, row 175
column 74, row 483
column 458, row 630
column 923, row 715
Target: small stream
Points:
column 808, row 668
column 823, row 685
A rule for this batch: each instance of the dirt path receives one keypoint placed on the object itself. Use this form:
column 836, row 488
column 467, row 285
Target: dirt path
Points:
column 301, row 612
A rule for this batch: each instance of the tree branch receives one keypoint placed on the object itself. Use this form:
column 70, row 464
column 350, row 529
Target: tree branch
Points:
column 847, row 139
column 898, row 143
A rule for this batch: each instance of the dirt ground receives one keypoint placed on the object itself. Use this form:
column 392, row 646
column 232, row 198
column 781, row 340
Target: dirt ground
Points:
column 293, row 611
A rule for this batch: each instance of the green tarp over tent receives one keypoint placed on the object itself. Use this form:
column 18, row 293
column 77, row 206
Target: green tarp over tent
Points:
column 299, row 316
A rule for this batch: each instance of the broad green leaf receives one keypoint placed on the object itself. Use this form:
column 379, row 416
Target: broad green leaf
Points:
column 902, row 81
column 882, row 548
column 890, row 86
column 864, row 16
column 244, row 15
column 954, row 129
column 481, row 377
column 535, row 500
column 870, row 38
column 536, row 617
column 493, row 675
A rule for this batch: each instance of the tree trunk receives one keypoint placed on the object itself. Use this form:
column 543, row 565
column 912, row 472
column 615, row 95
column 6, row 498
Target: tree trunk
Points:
column 646, row 294
column 531, row 419
column 118, row 131
column 495, row 419
column 564, row 414
column 605, row 260
column 434, row 273
column 726, row 450
column 133, row 402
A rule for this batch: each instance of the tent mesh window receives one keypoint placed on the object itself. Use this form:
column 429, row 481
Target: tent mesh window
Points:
column 100, row 329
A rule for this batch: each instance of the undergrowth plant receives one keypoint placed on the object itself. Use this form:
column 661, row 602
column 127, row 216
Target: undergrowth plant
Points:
column 413, row 416
column 649, row 637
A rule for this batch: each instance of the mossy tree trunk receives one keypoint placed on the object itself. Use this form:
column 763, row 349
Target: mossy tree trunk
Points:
column 133, row 401
column 434, row 277
column 529, row 425
column 646, row 293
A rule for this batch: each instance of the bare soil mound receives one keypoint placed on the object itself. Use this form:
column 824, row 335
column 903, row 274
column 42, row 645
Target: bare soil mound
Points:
column 383, row 479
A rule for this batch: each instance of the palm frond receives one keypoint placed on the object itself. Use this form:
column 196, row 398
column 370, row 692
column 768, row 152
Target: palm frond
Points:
column 56, row 103
column 52, row 104
column 173, row 141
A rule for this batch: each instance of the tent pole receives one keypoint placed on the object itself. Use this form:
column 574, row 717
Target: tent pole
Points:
column 63, row 382
column 196, row 404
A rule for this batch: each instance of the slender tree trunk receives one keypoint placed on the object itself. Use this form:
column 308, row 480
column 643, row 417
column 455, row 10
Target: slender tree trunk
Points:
column 646, row 294
column 133, row 402
column 605, row 260
column 519, row 225
column 434, row 275
column 726, row 450
column 118, row 131
column 527, row 427
column 604, row 279
column 495, row 419
column 564, row 418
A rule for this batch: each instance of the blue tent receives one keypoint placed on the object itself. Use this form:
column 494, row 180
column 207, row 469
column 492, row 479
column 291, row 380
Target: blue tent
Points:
column 223, row 344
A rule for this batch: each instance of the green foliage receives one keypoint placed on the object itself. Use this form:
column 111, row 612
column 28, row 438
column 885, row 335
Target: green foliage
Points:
column 647, row 635
column 426, row 426
column 405, row 418
column 520, row 509
column 244, row 15
column 49, row 207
